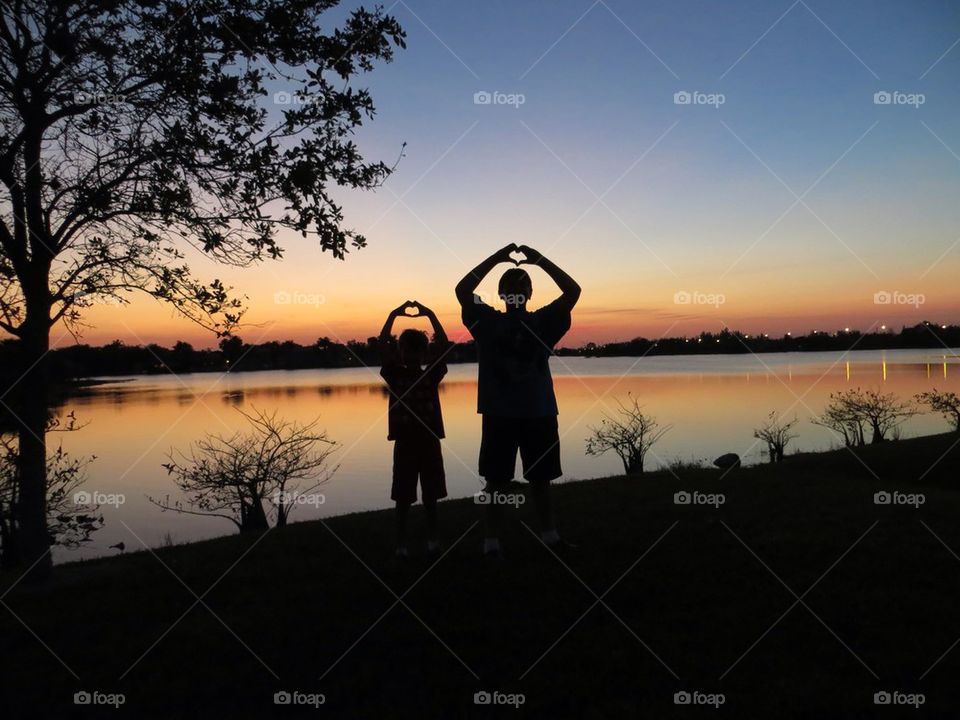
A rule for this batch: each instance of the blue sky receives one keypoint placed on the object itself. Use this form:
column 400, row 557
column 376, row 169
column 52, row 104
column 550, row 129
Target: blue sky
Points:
column 693, row 197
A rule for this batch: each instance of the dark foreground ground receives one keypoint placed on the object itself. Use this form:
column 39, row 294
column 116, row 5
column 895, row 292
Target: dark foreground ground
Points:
column 799, row 597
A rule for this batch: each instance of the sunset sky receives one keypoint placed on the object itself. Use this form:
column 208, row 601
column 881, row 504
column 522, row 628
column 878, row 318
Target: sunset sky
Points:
column 792, row 203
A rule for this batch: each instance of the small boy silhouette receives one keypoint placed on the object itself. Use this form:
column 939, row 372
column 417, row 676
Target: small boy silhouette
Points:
column 415, row 423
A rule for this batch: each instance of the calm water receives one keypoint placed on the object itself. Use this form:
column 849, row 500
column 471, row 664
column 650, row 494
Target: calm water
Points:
column 713, row 403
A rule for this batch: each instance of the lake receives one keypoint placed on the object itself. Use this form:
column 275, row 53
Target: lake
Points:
column 713, row 403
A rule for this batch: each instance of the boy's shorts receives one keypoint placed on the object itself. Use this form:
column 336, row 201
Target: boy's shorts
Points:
column 537, row 439
column 413, row 458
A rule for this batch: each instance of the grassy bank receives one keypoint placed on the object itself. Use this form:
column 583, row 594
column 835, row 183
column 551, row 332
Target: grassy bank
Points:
column 688, row 597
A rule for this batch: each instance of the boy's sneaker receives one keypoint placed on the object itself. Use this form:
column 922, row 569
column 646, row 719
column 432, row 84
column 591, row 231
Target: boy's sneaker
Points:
column 402, row 553
column 433, row 548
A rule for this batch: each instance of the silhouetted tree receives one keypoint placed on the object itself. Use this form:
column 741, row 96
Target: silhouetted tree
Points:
column 630, row 435
column 776, row 434
column 852, row 411
column 132, row 130
column 944, row 402
column 842, row 420
column 232, row 477
column 68, row 524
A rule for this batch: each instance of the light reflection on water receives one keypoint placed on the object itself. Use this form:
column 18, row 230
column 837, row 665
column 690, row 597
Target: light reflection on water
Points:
column 712, row 401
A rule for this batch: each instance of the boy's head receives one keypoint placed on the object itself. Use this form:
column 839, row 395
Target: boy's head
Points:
column 413, row 345
column 515, row 288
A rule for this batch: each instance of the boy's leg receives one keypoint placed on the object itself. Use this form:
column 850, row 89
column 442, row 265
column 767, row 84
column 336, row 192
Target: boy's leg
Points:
column 493, row 516
column 404, row 491
column 433, row 487
column 403, row 510
column 540, row 453
column 542, row 506
column 498, row 457
column 430, row 507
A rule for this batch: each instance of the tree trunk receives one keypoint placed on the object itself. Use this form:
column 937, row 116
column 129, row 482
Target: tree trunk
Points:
column 254, row 519
column 32, row 542
column 31, row 399
column 7, row 539
column 634, row 465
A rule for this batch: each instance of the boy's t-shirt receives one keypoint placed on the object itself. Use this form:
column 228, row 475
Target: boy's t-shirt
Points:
column 414, row 409
column 513, row 349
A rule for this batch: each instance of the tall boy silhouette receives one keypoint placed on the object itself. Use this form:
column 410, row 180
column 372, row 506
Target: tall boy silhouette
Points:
column 515, row 389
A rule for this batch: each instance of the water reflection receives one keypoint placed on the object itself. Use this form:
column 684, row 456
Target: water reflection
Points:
column 713, row 403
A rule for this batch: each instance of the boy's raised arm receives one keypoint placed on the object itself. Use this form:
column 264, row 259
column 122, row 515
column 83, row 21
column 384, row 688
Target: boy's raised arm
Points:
column 388, row 350
column 387, row 332
column 473, row 278
column 568, row 286
column 438, row 332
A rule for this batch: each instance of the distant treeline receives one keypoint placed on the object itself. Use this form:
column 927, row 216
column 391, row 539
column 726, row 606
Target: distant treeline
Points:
column 923, row 335
column 76, row 362
column 84, row 361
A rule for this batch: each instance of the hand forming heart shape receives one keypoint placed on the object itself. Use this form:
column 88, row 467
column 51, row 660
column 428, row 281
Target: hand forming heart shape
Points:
column 412, row 305
column 521, row 255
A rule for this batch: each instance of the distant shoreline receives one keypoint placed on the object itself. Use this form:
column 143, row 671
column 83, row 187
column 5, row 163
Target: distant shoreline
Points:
column 108, row 379
column 78, row 365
